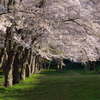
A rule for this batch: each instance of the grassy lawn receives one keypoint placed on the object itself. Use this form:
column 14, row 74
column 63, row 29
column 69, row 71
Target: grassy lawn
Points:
column 51, row 85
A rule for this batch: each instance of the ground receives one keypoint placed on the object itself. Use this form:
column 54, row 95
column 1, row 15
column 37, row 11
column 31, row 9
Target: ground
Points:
column 51, row 85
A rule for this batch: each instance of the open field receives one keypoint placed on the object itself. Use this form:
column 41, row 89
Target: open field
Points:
column 51, row 85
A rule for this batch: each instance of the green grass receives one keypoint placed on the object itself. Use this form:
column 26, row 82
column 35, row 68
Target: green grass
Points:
column 51, row 85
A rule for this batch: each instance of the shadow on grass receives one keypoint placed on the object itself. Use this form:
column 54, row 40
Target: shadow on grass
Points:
column 51, row 85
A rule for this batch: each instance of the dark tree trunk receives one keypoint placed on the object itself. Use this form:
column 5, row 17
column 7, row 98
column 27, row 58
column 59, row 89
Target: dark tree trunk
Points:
column 16, row 73
column 59, row 68
column 2, row 56
column 9, row 69
column 28, row 70
column 92, row 66
column 28, row 66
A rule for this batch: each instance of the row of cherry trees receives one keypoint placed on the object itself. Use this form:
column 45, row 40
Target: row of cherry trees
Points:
column 31, row 30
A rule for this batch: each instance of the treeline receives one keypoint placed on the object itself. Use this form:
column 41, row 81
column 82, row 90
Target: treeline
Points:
column 34, row 30
column 18, row 63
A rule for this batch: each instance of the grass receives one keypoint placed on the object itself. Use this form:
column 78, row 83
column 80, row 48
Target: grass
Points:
column 51, row 85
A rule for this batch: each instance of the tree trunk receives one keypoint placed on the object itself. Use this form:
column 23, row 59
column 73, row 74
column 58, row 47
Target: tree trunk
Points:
column 92, row 66
column 49, row 65
column 9, row 69
column 28, row 66
column 60, row 67
column 2, row 57
column 28, row 70
column 57, row 67
column 24, row 62
column 23, row 69
column 86, row 67
column 36, row 68
column 16, row 73
column 33, row 65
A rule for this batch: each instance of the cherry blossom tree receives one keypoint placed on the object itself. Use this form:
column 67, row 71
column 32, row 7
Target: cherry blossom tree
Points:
column 52, row 29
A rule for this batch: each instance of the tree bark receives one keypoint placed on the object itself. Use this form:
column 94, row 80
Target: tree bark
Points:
column 92, row 66
column 49, row 65
column 9, row 69
column 28, row 70
column 24, row 62
column 16, row 73
column 2, row 56
column 23, row 69
column 36, row 68
column 33, row 65
column 28, row 66
column 86, row 67
column 59, row 68
column 59, row 65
